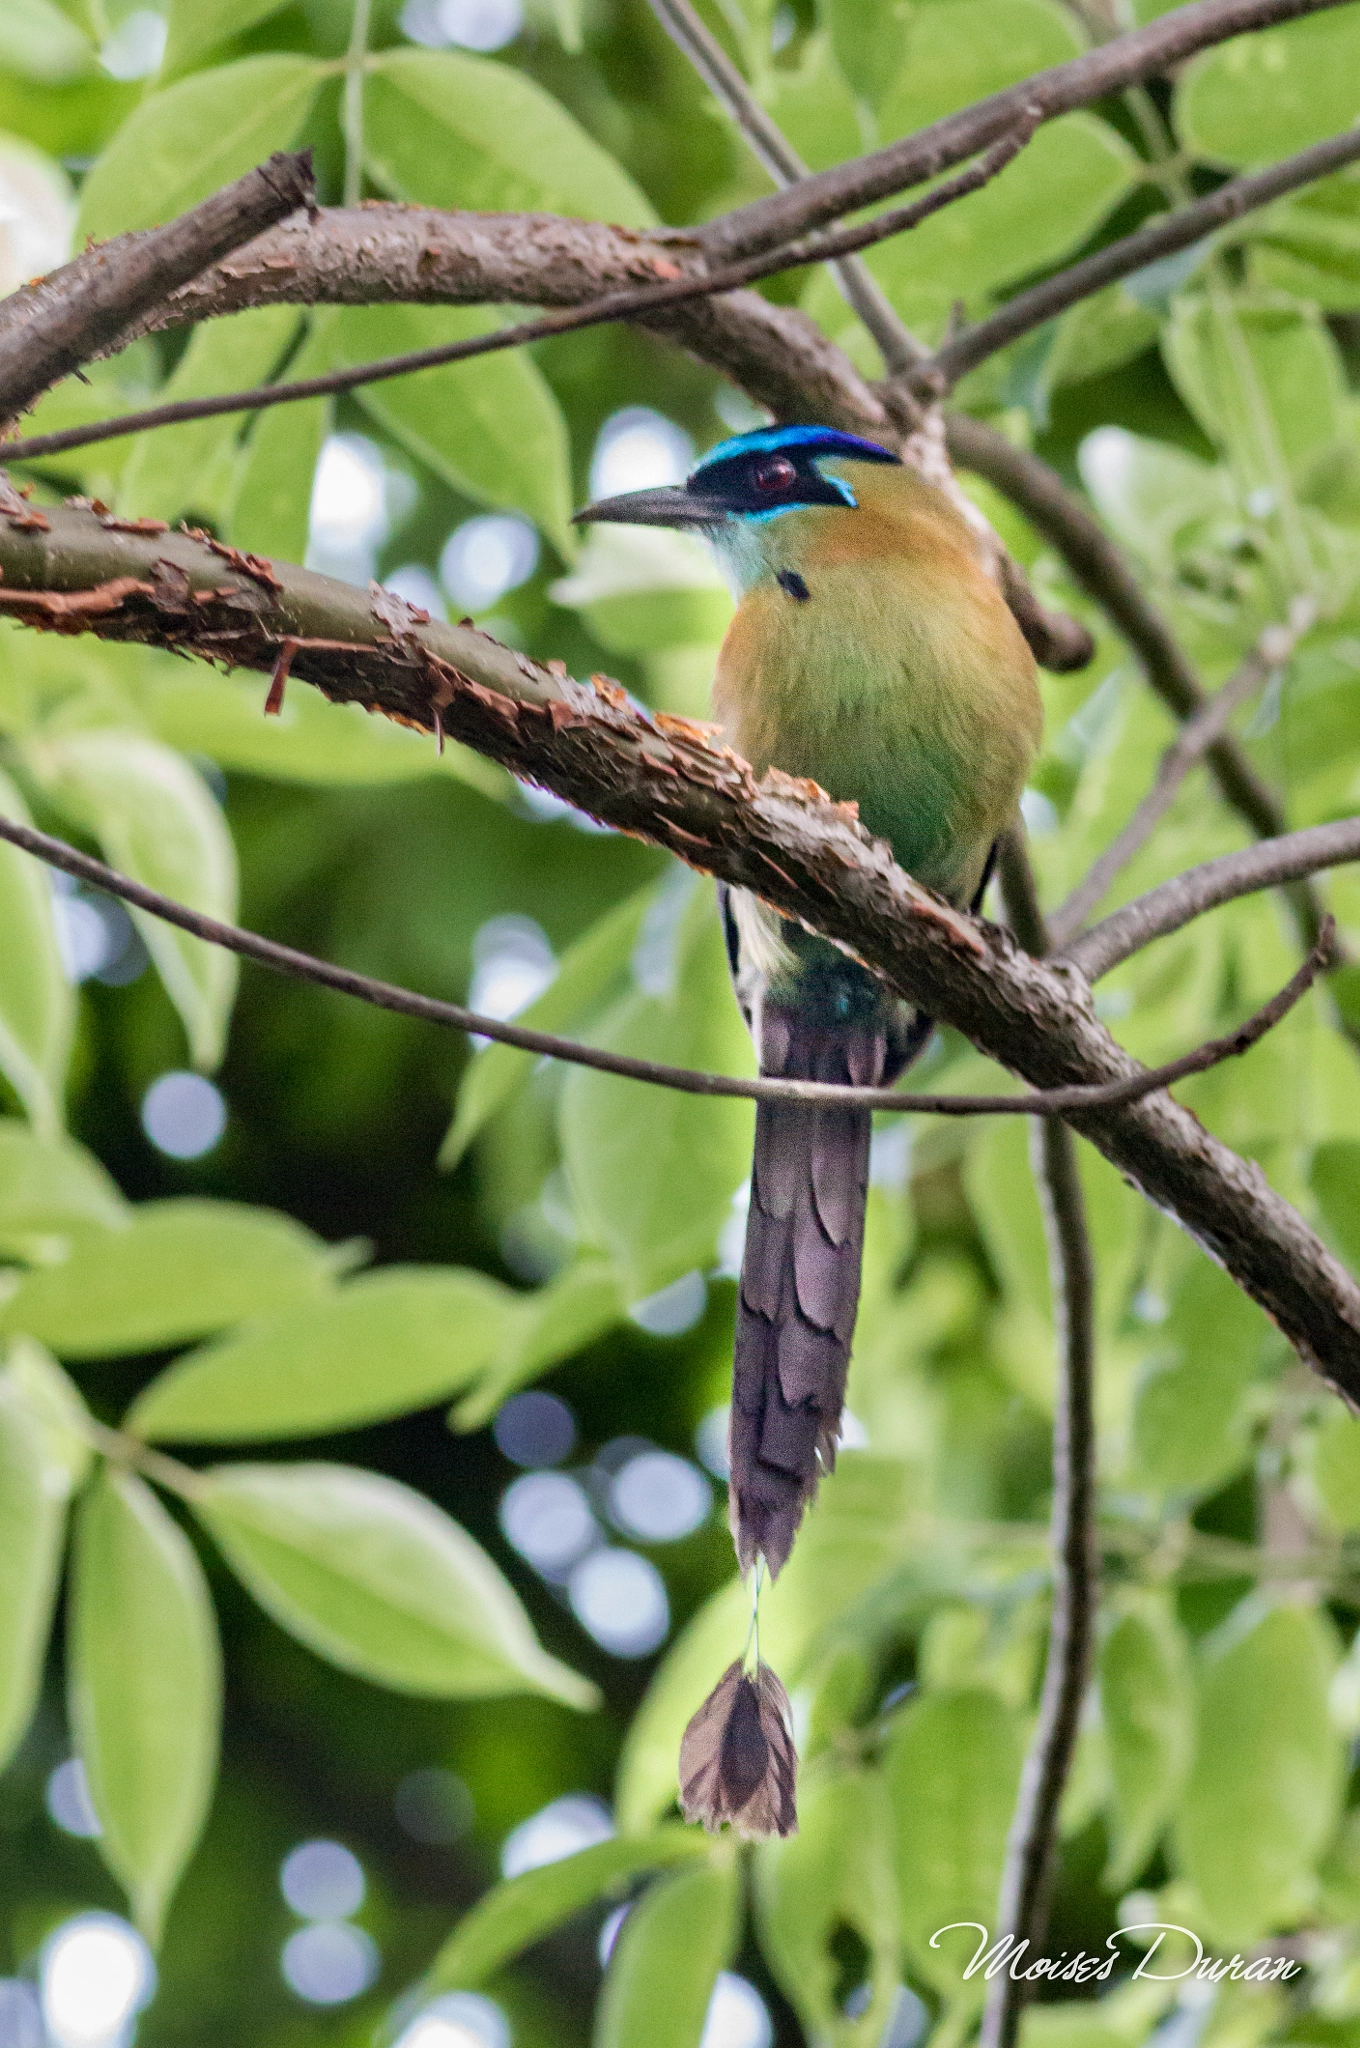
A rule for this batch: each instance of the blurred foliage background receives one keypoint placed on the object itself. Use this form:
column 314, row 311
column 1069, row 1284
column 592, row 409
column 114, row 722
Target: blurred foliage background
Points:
column 437, row 1338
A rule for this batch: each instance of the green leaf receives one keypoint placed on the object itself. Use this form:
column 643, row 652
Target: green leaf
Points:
column 34, row 1488
column 644, row 590
column 51, row 1185
column 1263, row 96
column 395, row 1340
column 515, row 1914
column 197, row 26
column 376, row 1579
column 53, row 1403
column 551, row 1324
column 178, row 470
column 870, row 44
column 1335, row 1180
column 1190, row 1417
column 1262, row 1797
column 667, row 1958
column 1336, row 1468
column 1147, row 1707
column 963, row 52
column 181, row 144
column 952, row 1770
column 40, row 40
column 156, row 820
column 452, row 130
column 1264, row 379
column 833, row 1877
column 491, row 427
column 585, row 974
column 653, row 1172
column 815, row 107
column 270, row 510
column 37, row 1005
column 175, row 1269
column 145, row 1688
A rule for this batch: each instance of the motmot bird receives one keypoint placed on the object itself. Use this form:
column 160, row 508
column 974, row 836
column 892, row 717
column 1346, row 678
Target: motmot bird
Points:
column 872, row 652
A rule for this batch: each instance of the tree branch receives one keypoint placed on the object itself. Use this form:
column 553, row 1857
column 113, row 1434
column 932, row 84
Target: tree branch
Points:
column 669, row 781
column 1096, row 73
column 1022, row 1908
column 404, row 1002
column 1269, row 864
column 1191, row 744
column 1160, row 238
column 54, row 325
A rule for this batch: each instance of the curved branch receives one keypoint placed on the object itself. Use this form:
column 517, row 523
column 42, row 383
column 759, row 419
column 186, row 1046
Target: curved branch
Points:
column 1270, row 864
column 669, row 781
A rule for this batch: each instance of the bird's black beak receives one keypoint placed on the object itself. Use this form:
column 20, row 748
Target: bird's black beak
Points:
column 671, row 505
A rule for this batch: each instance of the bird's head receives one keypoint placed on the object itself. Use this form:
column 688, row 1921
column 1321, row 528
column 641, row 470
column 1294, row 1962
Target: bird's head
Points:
column 739, row 495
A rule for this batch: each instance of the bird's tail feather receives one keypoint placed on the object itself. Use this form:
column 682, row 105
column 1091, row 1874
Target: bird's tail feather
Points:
column 799, row 1277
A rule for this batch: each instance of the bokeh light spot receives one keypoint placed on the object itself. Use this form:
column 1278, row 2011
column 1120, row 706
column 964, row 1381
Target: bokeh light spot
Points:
column 414, row 582
column 470, row 24
column 328, row 1963
column 609, row 1934
column 535, row 1429
column 434, row 1806
column 68, row 1802
column 512, row 964
column 659, row 1498
column 737, row 2016
column 486, row 557
column 576, row 1821
column 710, row 1442
column 20, row 2015
column 96, row 1973
column 183, row 1115
column 638, row 448
column 674, row 1309
column 136, row 47
column 322, row 1881
column 620, row 1599
column 546, row 1517
column 461, row 2019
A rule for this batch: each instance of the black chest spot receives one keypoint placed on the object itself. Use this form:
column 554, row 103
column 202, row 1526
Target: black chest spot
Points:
column 790, row 580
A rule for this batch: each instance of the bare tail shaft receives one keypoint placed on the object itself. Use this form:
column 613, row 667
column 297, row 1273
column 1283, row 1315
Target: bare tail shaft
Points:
column 799, row 1279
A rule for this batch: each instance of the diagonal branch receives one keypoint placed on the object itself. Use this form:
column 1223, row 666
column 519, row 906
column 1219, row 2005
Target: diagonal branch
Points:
column 670, row 782
column 1192, row 743
column 404, row 1002
column 1160, row 238
column 1079, row 83
column 59, row 322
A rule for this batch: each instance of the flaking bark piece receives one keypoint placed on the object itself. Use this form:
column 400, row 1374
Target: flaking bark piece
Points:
column 738, row 1764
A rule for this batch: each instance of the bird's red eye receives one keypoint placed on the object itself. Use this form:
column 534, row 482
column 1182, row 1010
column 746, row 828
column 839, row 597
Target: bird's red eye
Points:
column 776, row 473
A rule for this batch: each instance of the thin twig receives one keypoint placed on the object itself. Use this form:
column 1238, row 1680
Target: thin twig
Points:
column 1052, row 1102
column 1160, row 238
column 1269, row 864
column 59, row 322
column 1145, row 52
column 1196, row 737
column 863, row 293
column 1022, row 1908
column 633, row 304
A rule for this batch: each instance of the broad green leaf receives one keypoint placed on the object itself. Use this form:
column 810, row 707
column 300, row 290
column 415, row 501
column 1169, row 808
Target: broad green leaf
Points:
column 197, row 26
column 185, row 142
column 952, row 1769
column 1309, row 246
column 145, row 1687
column 42, row 41
column 1261, row 1801
column 53, row 1403
column 521, row 1910
column 585, row 975
column 1264, row 379
column 643, row 590
column 1336, row 1468
column 1147, row 1706
column 1335, row 1180
column 1189, row 1418
column 1263, row 96
column 37, row 1006
column 185, row 469
column 815, row 107
column 1158, row 499
column 964, row 51
column 652, row 1171
column 835, row 1875
column 376, row 1579
column 51, row 1185
column 550, row 1324
column 870, row 44
column 389, row 1342
column 33, row 1492
column 860, row 1527
column 453, row 130
column 156, row 820
column 172, row 1270
column 1098, row 335
column 491, row 426
column 270, row 509
column 310, row 742
column 667, row 1958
